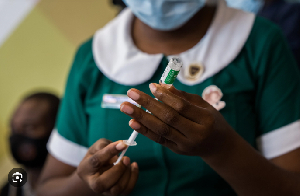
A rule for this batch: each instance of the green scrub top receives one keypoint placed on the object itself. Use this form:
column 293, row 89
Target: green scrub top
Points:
column 260, row 88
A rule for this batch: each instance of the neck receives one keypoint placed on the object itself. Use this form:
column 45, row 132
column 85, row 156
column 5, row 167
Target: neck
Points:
column 176, row 41
column 33, row 175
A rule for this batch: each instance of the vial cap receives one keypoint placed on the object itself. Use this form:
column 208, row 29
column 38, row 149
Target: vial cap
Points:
column 175, row 63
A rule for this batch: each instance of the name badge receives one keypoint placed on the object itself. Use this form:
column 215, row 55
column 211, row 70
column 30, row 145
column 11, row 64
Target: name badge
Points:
column 113, row 101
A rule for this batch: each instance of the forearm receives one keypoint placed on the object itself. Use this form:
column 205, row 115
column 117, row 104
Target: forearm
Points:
column 64, row 186
column 249, row 173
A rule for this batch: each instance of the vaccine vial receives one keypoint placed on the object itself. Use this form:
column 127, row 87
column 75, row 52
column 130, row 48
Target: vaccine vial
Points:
column 171, row 71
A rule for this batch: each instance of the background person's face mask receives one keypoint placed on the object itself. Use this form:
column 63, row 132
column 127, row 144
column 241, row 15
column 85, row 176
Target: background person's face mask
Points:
column 253, row 6
column 165, row 15
column 36, row 153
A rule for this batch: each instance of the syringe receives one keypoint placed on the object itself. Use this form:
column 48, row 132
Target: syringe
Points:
column 168, row 77
column 129, row 142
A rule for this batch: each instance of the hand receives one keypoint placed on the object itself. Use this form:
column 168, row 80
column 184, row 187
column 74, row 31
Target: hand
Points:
column 183, row 122
column 98, row 171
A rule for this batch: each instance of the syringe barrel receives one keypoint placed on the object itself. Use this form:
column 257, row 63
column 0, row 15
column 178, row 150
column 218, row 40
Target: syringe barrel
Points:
column 132, row 136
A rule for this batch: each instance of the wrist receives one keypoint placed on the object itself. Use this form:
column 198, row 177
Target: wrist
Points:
column 220, row 146
column 81, row 184
column 77, row 179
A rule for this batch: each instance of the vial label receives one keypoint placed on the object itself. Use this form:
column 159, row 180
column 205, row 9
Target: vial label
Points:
column 169, row 76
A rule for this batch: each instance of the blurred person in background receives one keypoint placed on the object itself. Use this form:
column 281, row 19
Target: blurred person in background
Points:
column 283, row 13
column 30, row 127
column 248, row 145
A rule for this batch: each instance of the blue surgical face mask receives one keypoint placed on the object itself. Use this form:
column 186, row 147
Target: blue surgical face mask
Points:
column 247, row 5
column 165, row 15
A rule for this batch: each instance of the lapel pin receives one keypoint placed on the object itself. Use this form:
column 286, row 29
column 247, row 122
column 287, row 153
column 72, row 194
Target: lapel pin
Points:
column 212, row 94
column 194, row 71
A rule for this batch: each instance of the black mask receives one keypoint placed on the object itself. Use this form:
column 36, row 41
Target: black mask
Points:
column 17, row 141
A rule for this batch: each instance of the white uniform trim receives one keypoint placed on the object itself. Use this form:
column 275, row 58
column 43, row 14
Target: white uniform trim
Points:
column 118, row 58
column 64, row 150
column 116, row 55
column 280, row 141
column 222, row 43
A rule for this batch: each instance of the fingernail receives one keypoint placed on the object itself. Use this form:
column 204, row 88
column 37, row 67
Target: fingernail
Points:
column 121, row 146
column 167, row 86
column 127, row 109
column 133, row 95
column 134, row 166
column 126, row 160
column 152, row 87
column 134, row 125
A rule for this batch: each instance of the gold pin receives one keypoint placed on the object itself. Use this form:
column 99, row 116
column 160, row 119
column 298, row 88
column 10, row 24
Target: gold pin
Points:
column 194, row 71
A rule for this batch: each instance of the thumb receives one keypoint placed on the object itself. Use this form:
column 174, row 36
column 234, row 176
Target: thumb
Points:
column 103, row 156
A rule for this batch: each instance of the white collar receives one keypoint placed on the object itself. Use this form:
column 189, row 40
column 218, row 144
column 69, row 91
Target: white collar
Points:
column 118, row 58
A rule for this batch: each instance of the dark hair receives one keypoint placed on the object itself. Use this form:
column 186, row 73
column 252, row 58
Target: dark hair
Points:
column 52, row 100
column 119, row 3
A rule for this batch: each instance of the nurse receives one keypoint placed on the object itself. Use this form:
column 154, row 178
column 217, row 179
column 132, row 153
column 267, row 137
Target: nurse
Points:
column 249, row 147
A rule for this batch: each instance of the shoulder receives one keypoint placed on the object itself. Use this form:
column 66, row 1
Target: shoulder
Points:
column 263, row 28
column 86, row 46
column 84, row 56
column 84, row 51
column 84, row 69
column 265, row 36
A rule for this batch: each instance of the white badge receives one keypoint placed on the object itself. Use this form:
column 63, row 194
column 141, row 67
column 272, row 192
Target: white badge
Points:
column 114, row 101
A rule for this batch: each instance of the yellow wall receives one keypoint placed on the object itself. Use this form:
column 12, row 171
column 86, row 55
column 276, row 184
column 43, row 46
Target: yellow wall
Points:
column 38, row 54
